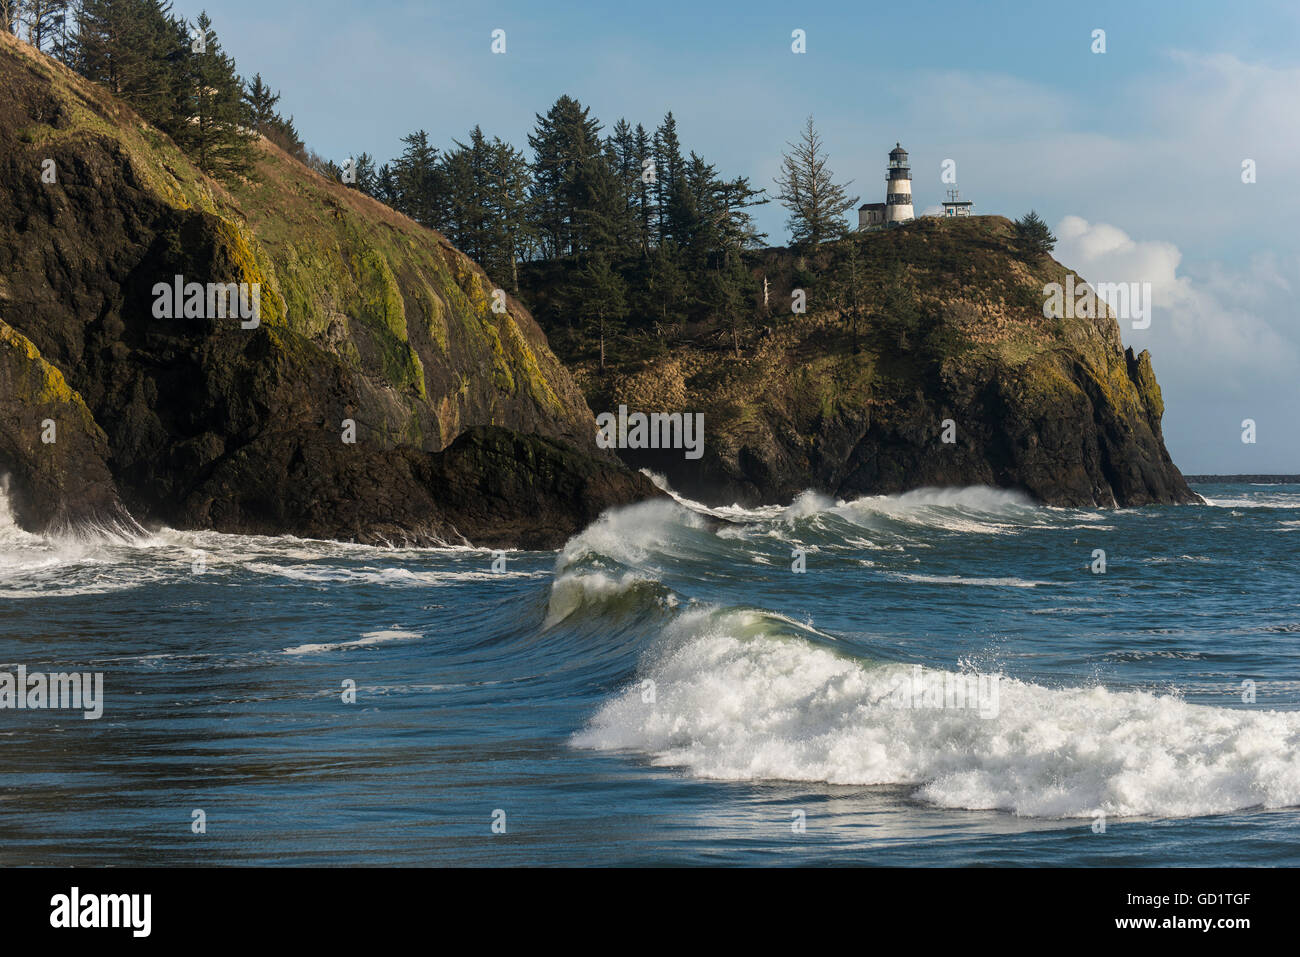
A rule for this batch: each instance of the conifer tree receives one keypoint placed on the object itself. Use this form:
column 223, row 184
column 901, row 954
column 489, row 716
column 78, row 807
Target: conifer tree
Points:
column 139, row 52
column 44, row 20
column 683, row 214
column 563, row 142
column 602, row 299
column 284, row 134
column 416, row 179
column 733, row 200
column 472, row 193
column 366, row 176
column 63, row 36
column 667, row 282
column 260, row 116
column 647, row 223
column 816, row 202
column 730, row 288
column 216, row 139
column 622, row 150
column 603, row 220
column 667, row 152
column 511, row 237
column 386, row 186
column 1034, row 234
column 259, row 104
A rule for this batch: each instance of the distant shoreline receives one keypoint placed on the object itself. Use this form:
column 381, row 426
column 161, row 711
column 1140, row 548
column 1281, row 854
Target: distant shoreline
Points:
column 1261, row 479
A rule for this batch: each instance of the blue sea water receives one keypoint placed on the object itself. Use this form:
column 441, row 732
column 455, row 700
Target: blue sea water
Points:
column 667, row 690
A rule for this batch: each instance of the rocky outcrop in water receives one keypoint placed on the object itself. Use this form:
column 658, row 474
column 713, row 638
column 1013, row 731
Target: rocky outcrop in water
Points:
column 334, row 413
column 953, row 376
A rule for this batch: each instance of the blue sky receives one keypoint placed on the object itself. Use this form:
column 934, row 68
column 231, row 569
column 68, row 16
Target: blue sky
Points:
column 1135, row 153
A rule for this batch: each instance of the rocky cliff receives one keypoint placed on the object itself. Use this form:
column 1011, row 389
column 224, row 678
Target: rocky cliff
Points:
column 950, row 375
column 371, row 328
column 380, row 396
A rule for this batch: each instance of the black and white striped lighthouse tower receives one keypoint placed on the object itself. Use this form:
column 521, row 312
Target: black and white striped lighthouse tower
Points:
column 898, row 196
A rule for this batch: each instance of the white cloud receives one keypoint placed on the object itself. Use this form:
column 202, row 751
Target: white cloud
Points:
column 1222, row 324
column 1219, row 341
column 1164, row 149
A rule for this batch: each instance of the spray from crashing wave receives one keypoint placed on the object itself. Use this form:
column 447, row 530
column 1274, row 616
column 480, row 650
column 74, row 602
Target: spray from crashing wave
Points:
column 743, row 694
column 86, row 552
column 9, row 530
column 24, row 552
column 115, row 555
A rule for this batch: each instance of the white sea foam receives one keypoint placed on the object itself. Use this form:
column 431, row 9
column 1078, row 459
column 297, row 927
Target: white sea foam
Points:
column 10, row 533
column 975, row 508
column 323, row 573
column 733, row 703
column 33, row 566
column 97, row 560
column 368, row 638
column 732, row 512
column 1259, row 500
column 963, row 580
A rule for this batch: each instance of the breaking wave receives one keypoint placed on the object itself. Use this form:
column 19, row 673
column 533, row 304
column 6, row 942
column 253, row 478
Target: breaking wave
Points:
column 735, row 700
column 742, row 694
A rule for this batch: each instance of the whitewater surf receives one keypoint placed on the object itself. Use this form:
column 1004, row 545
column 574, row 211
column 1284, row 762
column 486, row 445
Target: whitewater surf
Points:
column 945, row 679
column 745, row 694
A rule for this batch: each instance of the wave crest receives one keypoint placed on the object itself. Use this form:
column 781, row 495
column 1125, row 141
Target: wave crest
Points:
column 736, row 702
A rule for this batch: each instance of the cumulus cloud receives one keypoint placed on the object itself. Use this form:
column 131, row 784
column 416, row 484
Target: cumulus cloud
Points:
column 1223, row 323
column 1219, row 339
column 1163, row 148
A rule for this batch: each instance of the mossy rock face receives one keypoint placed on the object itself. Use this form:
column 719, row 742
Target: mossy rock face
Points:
column 952, row 330
column 365, row 318
column 509, row 489
column 492, row 487
column 53, row 457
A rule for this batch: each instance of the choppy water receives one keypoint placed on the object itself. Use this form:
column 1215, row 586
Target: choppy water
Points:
column 667, row 690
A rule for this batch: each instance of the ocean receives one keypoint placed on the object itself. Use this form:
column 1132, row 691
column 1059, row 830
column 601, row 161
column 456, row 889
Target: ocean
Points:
column 951, row 679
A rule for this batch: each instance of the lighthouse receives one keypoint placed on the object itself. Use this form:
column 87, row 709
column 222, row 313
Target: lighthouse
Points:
column 898, row 194
column 897, row 207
